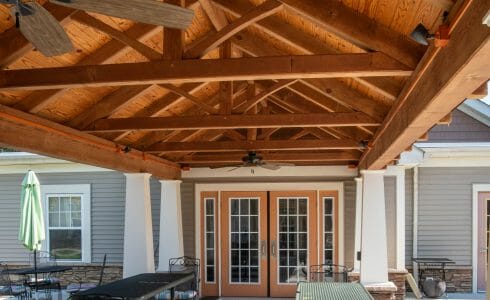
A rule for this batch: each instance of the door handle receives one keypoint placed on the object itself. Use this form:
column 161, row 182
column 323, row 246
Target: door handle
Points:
column 273, row 248
column 263, row 248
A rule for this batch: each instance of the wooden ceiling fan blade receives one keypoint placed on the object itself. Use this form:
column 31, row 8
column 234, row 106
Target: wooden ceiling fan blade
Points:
column 144, row 11
column 41, row 29
column 272, row 167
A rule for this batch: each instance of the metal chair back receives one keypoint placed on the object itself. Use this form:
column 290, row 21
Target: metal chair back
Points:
column 186, row 264
column 329, row 273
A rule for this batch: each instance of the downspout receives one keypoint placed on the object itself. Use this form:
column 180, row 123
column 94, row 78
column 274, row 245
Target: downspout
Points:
column 415, row 221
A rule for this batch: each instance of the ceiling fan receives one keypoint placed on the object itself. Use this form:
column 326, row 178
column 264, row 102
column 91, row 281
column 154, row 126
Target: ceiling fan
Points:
column 254, row 160
column 46, row 34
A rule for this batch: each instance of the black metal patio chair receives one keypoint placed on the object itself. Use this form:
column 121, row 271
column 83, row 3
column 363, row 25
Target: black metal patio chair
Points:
column 9, row 286
column 329, row 273
column 188, row 290
column 80, row 285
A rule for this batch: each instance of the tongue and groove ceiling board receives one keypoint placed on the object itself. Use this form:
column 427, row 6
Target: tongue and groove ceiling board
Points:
column 237, row 31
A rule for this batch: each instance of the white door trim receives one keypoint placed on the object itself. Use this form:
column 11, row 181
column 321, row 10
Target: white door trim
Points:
column 477, row 188
column 266, row 186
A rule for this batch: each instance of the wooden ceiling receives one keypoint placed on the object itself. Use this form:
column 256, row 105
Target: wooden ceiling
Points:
column 299, row 81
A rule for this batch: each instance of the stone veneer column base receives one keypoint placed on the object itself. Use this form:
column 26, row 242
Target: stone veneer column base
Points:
column 396, row 278
column 382, row 291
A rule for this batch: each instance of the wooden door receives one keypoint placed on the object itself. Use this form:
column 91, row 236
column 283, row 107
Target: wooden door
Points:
column 483, row 238
column 244, row 237
column 293, row 240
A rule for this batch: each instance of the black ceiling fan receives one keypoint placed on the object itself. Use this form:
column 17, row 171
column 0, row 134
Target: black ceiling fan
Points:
column 252, row 159
column 46, row 34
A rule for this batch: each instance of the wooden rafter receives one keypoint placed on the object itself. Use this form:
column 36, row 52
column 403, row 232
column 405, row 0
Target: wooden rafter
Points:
column 108, row 53
column 274, row 157
column 442, row 81
column 260, row 12
column 224, row 146
column 358, row 29
column 331, row 88
column 253, row 101
column 215, row 15
column 234, row 121
column 181, row 92
column 84, row 18
column 283, row 67
column 30, row 133
column 297, row 107
column 297, row 39
column 109, row 105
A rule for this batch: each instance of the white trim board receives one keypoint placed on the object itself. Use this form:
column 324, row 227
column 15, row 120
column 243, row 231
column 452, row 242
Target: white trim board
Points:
column 84, row 190
column 258, row 186
column 20, row 162
column 285, row 171
column 476, row 189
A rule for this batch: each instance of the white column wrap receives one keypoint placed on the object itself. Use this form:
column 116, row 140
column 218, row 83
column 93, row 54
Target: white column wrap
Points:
column 357, row 233
column 171, row 236
column 138, row 231
column 374, row 254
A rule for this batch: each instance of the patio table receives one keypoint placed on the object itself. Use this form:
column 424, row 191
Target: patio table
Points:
column 432, row 264
column 332, row 291
column 40, row 270
column 142, row 286
column 44, row 285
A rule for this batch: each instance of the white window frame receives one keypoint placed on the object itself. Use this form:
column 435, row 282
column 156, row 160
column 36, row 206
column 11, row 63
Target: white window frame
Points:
column 83, row 190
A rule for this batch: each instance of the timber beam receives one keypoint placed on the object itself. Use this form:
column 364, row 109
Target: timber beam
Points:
column 30, row 133
column 445, row 77
column 224, row 146
column 197, row 70
column 233, row 121
column 273, row 157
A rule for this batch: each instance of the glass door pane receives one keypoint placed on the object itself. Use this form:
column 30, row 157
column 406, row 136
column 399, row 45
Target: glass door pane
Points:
column 293, row 234
column 244, row 243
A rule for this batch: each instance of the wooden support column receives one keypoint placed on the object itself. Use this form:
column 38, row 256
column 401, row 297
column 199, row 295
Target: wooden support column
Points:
column 251, row 132
column 173, row 39
column 226, row 87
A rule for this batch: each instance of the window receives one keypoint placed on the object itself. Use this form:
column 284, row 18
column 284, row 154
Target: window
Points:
column 67, row 219
column 209, row 240
column 328, row 230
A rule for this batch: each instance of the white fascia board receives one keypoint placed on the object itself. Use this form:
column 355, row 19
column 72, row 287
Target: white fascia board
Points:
column 456, row 155
column 453, row 146
column 476, row 109
column 20, row 162
column 411, row 158
column 286, row 171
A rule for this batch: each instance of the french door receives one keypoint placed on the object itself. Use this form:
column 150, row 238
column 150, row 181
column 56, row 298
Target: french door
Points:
column 293, row 240
column 266, row 240
column 244, row 244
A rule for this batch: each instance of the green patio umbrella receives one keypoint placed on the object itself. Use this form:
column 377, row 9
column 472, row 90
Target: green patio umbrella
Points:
column 31, row 229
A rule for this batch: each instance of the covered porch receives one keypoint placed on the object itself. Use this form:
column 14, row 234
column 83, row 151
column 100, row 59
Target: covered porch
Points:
column 312, row 103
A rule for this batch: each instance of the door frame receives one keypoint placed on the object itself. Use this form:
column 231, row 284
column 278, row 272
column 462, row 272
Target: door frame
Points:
column 477, row 188
column 264, row 187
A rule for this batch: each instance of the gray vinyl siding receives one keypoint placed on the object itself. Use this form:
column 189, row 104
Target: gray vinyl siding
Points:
column 445, row 211
column 408, row 216
column 108, row 191
column 189, row 220
column 107, row 212
column 390, row 206
column 463, row 128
